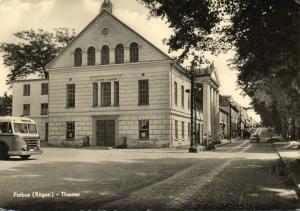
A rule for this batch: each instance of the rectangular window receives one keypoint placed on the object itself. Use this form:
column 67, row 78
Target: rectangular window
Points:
column 105, row 94
column 95, row 94
column 26, row 90
column 70, row 130
column 143, row 92
column 117, row 93
column 189, row 131
column 175, row 93
column 44, row 89
column 44, row 109
column 182, row 96
column 144, row 129
column 26, row 109
column 182, row 130
column 70, row 95
column 176, row 129
column 5, row 127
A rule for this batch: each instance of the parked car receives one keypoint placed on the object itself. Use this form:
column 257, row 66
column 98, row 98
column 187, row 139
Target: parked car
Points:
column 254, row 138
column 18, row 137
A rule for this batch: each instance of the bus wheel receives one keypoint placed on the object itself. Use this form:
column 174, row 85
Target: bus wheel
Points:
column 3, row 153
column 25, row 157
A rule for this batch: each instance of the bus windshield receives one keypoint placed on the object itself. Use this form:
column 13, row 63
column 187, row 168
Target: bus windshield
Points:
column 25, row 128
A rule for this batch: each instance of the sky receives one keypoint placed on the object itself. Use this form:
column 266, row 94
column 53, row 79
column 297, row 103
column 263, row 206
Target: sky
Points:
column 17, row 15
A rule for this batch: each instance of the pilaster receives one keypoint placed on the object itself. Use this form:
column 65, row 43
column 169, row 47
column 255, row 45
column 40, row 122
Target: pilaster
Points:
column 206, row 109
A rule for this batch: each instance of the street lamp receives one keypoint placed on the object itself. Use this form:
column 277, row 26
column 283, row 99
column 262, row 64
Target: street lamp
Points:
column 191, row 74
column 230, row 122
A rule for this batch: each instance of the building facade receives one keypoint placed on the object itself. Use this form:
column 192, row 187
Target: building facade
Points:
column 112, row 86
column 30, row 98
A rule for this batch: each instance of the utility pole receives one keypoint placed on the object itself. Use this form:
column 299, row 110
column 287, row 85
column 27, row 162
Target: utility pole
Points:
column 193, row 148
column 230, row 122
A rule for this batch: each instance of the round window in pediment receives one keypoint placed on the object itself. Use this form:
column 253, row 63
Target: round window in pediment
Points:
column 105, row 31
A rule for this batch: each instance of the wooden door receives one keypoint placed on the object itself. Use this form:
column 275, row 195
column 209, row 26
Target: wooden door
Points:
column 46, row 131
column 105, row 133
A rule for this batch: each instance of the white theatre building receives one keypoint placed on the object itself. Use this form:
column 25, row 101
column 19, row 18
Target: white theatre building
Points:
column 110, row 84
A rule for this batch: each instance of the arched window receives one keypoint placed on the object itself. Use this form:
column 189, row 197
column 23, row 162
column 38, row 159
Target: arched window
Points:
column 91, row 56
column 105, row 55
column 78, row 57
column 134, row 52
column 119, row 54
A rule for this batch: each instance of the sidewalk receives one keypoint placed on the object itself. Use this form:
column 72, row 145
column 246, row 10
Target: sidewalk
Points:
column 201, row 148
column 290, row 155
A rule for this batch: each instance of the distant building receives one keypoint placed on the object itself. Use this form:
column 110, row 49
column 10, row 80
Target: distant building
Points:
column 230, row 108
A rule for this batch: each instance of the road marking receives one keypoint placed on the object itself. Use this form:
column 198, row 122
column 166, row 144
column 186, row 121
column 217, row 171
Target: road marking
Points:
column 242, row 144
column 178, row 198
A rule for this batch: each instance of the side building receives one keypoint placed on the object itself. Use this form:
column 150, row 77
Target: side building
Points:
column 30, row 98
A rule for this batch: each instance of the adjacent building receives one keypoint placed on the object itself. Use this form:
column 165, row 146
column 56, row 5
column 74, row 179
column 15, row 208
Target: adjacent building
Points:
column 30, row 98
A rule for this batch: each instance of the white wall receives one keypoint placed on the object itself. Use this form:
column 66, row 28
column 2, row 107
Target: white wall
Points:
column 35, row 100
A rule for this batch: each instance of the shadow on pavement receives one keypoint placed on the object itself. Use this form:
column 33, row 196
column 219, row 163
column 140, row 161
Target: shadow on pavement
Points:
column 100, row 183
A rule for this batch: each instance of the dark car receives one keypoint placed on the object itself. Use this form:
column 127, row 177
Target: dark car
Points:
column 254, row 138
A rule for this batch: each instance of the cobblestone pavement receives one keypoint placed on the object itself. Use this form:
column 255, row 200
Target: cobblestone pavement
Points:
column 290, row 155
column 236, row 176
column 250, row 180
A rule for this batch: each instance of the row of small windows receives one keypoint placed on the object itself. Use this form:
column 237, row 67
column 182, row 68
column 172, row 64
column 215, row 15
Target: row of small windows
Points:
column 105, row 95
column 182, row 95
column 44, row 89
column 143, row 130
column 26, row 109
column 119, row 55
column 183, row 130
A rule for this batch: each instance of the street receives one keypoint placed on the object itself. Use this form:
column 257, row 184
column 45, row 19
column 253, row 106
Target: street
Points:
column 239, row 175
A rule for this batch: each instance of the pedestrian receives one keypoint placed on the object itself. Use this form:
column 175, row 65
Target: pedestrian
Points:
column 205, row 141
column 211, row 145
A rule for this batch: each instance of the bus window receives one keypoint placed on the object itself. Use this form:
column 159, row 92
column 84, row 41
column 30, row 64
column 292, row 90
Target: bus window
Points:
column 32, row 129
column 20, row 128
column 5, row 127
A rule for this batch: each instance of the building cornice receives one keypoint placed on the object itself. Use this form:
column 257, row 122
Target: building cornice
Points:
column 130, row 65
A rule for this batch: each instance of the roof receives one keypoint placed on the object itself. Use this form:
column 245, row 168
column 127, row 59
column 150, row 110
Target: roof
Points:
column 210, row 71
column 228, row 100
column 15, row 119
column 223, row 110
column 91, row 23
column 27, row 80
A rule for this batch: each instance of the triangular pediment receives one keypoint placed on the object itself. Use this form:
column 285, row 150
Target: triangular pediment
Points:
column 214, row 75
column 106, row 29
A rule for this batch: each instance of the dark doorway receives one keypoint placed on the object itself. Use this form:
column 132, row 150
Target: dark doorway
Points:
column 105, row 133
column 46, row 131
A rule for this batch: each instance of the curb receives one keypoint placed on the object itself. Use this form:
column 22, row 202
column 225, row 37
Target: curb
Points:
column 222, row 144
column 290, row 174
column 232, row 141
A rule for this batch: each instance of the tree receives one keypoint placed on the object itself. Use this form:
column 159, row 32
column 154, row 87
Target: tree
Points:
column 6, row 105
column 192, row 21
column 266, row 38
column 34, row 52
column 265, row 35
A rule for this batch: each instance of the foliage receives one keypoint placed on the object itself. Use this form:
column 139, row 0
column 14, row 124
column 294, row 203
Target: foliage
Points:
column 193, row 22
column 266, row 39
column 6, row 105
column 265, row 36
column 34, row 52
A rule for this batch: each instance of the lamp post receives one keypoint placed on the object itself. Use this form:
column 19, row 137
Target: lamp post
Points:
column 193, row 148
column 230, row 121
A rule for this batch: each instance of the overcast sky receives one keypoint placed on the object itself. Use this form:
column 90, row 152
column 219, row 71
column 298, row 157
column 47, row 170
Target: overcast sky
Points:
column 16, row 15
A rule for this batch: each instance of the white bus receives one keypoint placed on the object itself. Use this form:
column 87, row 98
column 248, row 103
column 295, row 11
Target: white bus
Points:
column 18, row 137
